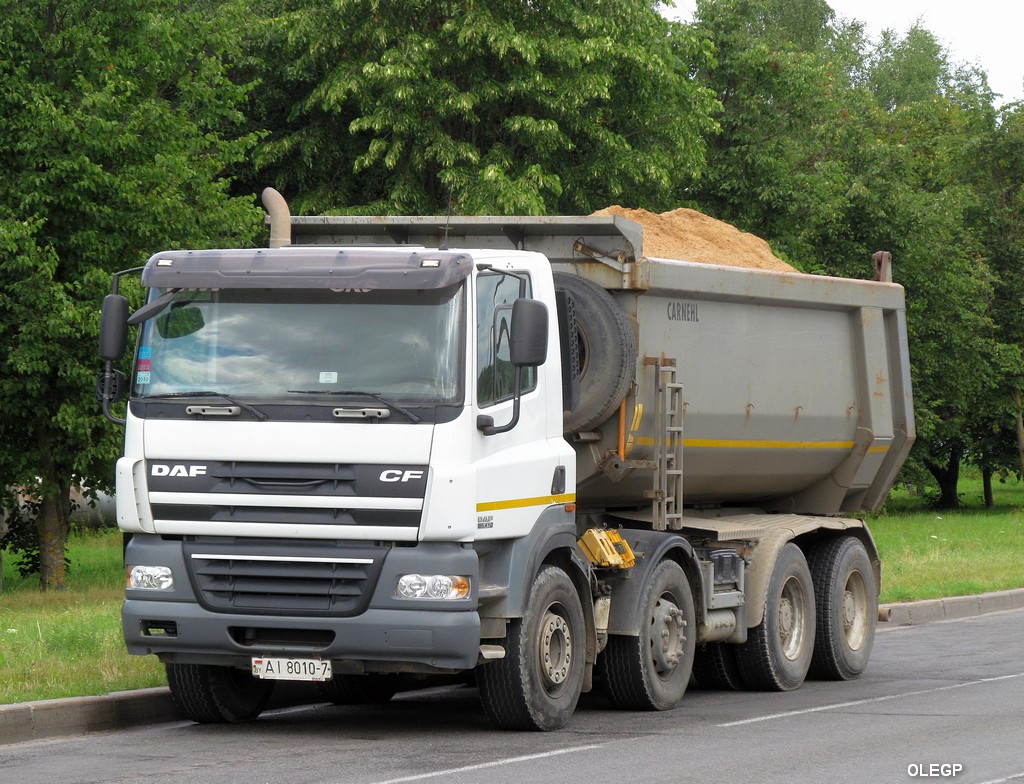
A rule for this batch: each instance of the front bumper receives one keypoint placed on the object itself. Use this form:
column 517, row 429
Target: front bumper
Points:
column 211, row 620
column 413, row 640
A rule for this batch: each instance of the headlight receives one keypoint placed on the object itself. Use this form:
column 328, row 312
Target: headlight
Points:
column 150, row 578
column 433, row 586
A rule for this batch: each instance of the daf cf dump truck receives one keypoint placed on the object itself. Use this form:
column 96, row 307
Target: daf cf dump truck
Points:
column 384, row 449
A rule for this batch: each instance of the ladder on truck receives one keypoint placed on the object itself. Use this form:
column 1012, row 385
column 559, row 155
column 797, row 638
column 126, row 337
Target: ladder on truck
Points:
column 667, row 494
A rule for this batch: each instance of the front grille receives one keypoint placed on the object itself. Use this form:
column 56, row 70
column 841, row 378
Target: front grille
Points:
column 393, row 518
column 281, row 578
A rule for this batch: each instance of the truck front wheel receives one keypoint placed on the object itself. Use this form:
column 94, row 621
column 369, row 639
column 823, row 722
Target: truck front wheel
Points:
column 538, row 683
column 844, row 588
column 651, row 670
column 209, row 694
column 777, row 653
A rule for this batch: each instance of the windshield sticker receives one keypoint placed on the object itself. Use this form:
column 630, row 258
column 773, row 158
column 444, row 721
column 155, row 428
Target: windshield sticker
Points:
column 145, row 352
column 328, row 377
column 142, row 377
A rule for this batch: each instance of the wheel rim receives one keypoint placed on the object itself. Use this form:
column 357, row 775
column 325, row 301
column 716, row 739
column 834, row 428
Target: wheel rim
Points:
column 668, row 636
column 855, row 611
column 792, row 618
column 556, row 649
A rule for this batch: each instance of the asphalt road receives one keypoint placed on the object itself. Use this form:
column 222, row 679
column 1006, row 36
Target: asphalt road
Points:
column 940, row 702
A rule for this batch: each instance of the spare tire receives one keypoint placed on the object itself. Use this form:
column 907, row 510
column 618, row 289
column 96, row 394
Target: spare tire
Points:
column 607, row 353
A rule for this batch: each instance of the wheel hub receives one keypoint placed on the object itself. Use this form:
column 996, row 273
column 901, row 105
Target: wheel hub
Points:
column 849, row 610
column 855, row 611
column 791, row 619
column 668, row 636
column 785, row 617
column 555, row 648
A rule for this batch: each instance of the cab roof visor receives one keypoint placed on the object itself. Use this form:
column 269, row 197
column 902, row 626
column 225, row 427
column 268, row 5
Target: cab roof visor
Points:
column 307, row 268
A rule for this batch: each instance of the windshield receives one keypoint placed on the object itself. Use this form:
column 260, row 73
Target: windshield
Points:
column 404, row 345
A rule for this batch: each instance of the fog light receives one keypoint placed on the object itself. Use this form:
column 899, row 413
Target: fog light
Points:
column 150, row 578
column 433, row 586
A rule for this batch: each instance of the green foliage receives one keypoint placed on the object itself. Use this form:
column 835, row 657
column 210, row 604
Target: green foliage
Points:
column 120, row 121
column 510, row 108
column 766, row 166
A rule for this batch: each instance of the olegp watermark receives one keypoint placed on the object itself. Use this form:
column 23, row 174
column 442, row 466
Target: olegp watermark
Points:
column 934, row 769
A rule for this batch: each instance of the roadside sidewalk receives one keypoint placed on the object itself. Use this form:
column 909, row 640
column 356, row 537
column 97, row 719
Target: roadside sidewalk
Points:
column 77, row 715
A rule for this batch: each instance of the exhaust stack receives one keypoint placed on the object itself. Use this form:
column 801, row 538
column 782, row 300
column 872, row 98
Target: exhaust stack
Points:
column 280, row 218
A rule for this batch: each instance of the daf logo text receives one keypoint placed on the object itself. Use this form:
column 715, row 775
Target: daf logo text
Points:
column 160, row 469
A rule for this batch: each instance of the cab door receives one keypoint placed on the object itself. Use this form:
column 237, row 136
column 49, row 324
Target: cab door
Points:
column 523, row 471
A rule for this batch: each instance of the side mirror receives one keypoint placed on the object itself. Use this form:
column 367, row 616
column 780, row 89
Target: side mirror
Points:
column 528, row 338
column 113, row 327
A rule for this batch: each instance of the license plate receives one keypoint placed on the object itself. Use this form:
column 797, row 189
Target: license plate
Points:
column 283, row 669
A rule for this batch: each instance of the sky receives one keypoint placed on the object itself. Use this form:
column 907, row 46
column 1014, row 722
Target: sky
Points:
column 986, row 33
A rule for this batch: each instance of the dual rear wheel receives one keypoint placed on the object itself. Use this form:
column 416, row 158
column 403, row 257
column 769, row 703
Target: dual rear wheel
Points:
column 819, row 622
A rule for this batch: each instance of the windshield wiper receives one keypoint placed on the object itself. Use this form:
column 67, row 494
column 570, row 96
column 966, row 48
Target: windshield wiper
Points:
column 372, row 395
column 260, row 416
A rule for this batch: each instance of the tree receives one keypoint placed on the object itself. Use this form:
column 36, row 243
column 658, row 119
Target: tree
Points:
column 1000, row 179
column 832, row 149
column 938, row 118
column 119, row 123
column 767, row 164
column 490, row 106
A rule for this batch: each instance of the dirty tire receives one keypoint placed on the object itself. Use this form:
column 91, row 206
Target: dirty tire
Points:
column 209, row 695
column 372, row 689
column 607, row 348
column 538, row 683
column 777, row 653
column 847, row 608
column 652, row 670
column 714, row 667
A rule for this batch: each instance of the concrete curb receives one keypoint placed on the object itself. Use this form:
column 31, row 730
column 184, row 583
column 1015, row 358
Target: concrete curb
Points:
column 118, row 710
column 931, row 610
column 76, row 715
column 115, row 711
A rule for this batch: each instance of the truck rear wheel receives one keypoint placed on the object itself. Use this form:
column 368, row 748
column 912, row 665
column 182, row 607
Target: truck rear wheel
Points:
column 607, row 349
column 652, row 670
column 209, row 694
column 538, row 683
column 847, row 602
column 777, row 653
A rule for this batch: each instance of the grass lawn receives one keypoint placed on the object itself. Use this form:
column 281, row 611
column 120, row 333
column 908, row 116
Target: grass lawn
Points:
column 69, row 643
column 929, row 553
column 78, row 629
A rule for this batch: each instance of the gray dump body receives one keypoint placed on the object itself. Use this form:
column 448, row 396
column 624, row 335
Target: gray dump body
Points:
column 795, row 388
